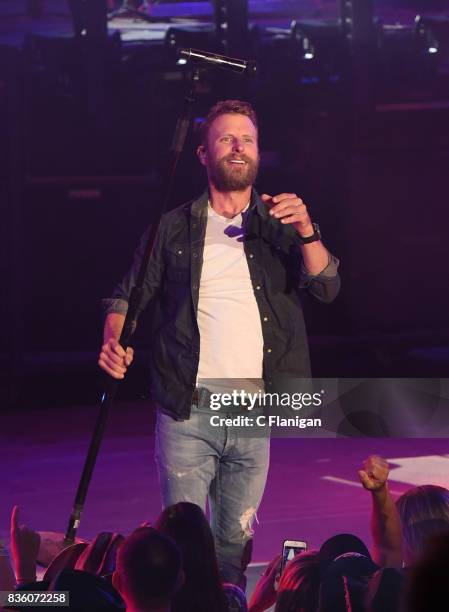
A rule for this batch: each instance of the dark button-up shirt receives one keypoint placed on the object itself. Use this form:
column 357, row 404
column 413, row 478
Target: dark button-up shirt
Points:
column 173, row 279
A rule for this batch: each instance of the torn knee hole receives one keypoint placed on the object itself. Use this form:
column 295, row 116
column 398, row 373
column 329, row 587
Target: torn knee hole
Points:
column 246, row 522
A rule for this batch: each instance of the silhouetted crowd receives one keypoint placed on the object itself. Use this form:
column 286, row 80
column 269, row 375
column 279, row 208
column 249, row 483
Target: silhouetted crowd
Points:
column 171, row 566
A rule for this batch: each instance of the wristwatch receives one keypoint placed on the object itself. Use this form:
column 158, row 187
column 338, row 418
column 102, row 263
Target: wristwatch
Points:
column 315, row 236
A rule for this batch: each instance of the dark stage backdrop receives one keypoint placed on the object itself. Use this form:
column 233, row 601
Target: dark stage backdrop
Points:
column 377, row 188
column 395, row 235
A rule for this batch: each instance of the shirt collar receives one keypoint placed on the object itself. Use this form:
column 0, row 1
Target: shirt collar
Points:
column 199, row 206
column 258, row 205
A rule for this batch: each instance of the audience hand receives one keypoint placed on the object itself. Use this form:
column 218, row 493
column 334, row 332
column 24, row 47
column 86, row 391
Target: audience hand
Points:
column 264, row 595
column 24, row 548
column 374, row 474
column 100, row 556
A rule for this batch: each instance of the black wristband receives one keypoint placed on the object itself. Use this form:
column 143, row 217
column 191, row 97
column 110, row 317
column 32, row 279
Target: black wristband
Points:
column 314, row 237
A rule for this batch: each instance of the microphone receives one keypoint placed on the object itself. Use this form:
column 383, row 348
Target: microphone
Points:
column 219, row 61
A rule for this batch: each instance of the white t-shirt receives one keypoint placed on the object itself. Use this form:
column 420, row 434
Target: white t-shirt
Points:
column 231, row 341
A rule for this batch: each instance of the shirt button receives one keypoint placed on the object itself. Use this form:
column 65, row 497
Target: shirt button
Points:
column 258, row 287
column 251, row 255
column 268, row 350
column 265, row 318
column 179, row 252
column 195, row 254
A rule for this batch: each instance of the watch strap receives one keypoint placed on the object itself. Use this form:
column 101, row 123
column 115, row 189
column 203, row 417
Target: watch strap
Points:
column 314, row 237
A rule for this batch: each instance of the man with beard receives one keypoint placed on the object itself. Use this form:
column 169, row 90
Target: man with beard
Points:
column 225, row 275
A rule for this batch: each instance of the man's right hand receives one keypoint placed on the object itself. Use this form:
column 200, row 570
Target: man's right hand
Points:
column 113, row 359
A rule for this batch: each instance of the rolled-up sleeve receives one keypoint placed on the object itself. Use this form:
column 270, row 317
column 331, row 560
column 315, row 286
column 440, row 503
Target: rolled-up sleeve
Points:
column 118, row 301
column 116, row 305
column 325, row 285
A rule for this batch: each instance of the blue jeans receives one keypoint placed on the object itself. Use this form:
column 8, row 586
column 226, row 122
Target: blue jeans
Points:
column 195, row 460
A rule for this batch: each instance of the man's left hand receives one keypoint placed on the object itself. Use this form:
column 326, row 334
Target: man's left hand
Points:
column 289, row 208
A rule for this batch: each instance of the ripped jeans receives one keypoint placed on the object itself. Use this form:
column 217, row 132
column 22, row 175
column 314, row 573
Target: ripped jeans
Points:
column 195, row 460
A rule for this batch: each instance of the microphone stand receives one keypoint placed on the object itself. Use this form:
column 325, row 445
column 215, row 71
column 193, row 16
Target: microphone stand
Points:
column 51, row 542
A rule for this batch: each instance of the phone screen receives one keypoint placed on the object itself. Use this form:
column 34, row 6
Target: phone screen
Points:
column 291, row 548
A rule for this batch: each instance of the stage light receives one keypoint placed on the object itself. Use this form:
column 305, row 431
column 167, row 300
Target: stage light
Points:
column 320, row 44
column 432, row 35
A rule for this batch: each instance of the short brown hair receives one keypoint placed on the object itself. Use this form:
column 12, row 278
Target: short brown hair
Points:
column 225, row 107
column 149, row 564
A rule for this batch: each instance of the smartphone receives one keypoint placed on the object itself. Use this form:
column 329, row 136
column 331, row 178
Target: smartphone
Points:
column 290, row 548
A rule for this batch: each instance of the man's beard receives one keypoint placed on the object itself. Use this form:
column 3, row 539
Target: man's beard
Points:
column 227, row 177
